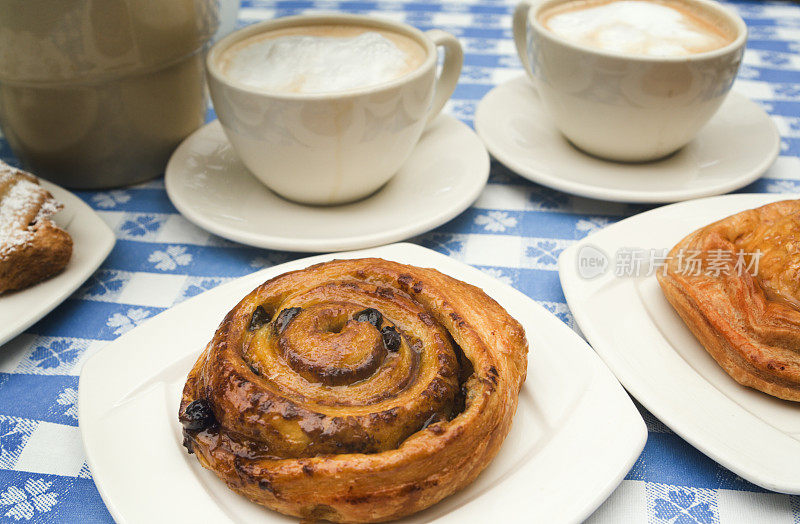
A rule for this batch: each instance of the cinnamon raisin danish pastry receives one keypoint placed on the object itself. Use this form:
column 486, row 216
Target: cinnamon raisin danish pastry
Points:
column 742, row 301
column 355, row 390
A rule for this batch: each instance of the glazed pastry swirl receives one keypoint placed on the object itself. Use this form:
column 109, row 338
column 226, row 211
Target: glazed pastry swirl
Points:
column 355, row 390
column 747, row 318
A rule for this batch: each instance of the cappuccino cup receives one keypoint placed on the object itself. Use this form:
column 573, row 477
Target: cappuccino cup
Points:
column 325, row 109
column 629, row 80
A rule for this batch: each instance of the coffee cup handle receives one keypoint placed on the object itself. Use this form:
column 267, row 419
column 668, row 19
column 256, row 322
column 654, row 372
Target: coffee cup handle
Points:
column 520, row 30
column 451, row 70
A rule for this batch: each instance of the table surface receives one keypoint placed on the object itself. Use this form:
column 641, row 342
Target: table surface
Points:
column 514, row 232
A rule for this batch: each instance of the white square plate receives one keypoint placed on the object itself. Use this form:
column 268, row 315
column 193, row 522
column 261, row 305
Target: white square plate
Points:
column 575, row 435
column 92, row 241
column 642, row 339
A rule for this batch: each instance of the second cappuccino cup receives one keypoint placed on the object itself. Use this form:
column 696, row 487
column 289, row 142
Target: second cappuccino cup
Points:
column 329, row 132
column 625, row 97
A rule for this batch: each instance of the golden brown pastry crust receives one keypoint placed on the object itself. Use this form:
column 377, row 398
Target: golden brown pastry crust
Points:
column 319, row 415
column 747, row 320
column 32, row 247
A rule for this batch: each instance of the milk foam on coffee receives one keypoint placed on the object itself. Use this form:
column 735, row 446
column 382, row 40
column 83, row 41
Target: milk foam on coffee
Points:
column 638, row 27
column 321, row 59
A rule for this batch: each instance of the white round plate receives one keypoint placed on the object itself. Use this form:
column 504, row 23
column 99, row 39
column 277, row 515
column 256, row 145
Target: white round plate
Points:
column 575, row 435
column 92, row 241
column 732, row 150
column 648, row 347
column 210, row 186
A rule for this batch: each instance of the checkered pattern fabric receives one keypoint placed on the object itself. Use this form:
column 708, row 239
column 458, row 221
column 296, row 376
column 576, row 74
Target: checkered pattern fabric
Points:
column 514, row 232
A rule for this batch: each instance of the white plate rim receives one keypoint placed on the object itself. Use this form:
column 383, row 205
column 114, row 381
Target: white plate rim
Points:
column 633, row 442
column 621, row 195
column 322, row 244
column 638, row 387
column 65, row 283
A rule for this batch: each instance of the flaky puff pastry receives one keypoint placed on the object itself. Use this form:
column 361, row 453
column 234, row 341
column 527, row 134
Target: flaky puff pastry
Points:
column 32, row 247
column 355, row 390
column 743, row 304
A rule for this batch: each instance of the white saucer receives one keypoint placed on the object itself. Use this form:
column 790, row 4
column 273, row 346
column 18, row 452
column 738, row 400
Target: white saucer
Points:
column 642, row 339
column 92, row 241
column 732, row 150
column 211, row 187
column 575, row 435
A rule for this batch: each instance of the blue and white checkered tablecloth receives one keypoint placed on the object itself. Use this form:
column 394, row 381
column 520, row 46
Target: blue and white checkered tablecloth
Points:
column 514, row 232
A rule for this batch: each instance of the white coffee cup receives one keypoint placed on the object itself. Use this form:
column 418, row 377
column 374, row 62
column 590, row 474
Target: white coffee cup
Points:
column 626, row 107
column 337, row 147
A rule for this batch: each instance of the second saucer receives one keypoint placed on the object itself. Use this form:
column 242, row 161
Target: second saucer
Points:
column 211, row 187
column 732, row 150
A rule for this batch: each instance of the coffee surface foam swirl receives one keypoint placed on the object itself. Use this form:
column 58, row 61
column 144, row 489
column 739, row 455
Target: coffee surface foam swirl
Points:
column 637, row 27
column 321, row 59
